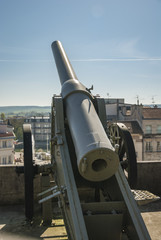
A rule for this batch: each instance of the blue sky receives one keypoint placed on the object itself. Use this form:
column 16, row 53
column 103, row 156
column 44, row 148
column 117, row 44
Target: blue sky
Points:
column 114, row 45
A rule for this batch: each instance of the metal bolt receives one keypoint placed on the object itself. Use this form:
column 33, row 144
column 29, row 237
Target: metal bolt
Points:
column 84, row 165
column 116, row 148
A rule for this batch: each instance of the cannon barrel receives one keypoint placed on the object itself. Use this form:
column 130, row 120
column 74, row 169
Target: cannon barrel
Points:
column 96, row 157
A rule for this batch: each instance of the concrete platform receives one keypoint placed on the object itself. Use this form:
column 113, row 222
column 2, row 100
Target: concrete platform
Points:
column 14, row 227
column 151, row 214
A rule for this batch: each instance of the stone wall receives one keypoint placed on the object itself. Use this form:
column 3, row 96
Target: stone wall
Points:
column 12, row 186
column 149, row 176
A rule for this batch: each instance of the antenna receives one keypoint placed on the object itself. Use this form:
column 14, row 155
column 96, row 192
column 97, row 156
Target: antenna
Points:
column 153, row 100
column 108, row 96
column 137, row 99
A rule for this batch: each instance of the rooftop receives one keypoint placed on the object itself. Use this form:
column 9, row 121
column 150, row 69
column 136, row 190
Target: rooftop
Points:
column 151, row 113
column 7, row 134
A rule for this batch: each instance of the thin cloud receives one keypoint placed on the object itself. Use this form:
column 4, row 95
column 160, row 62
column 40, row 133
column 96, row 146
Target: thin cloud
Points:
column 116, row 59
column 89, row 60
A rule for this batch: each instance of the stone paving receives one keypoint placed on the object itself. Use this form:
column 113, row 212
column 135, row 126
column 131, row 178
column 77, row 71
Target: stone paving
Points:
column 151, row 214
column 14, row 227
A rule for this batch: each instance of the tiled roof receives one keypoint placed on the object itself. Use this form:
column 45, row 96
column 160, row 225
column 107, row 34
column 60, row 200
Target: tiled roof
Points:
column 133, row 127
column 6, row 135
column 151, row 113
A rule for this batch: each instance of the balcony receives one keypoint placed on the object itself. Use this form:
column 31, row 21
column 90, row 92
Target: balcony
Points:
column 149, row 149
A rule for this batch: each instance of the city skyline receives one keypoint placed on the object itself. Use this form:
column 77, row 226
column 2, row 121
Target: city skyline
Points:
column 112, row 45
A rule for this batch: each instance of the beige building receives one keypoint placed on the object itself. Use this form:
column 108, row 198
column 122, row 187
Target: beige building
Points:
column 151, row 125
column 6, row 144
column 147, row 131
column 147, row 141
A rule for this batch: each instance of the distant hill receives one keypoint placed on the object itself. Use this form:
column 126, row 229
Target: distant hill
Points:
column 28, row 111
column 25, row 110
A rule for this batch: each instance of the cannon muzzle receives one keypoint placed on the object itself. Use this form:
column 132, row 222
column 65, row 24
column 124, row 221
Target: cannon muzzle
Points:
column 96, row 157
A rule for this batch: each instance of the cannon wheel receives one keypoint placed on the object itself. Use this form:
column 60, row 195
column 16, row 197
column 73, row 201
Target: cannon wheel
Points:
column 28, row 171
column 120, row 135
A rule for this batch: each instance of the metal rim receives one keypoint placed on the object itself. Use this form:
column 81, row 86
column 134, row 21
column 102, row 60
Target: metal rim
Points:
column 120, row 135
column 28, row 171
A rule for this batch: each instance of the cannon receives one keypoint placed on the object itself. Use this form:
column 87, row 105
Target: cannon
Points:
column 93, row 164
column 89, row 159
column 96, row 157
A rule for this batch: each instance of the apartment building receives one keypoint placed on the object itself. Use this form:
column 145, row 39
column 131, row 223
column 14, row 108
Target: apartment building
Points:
column 41, row 130
column 7, row 137
column 147, row 131
column 117, row 110
column 151, row 125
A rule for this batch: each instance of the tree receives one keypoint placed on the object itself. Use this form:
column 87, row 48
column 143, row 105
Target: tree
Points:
column 3, row 116
column 17, row 124
column 19, row 134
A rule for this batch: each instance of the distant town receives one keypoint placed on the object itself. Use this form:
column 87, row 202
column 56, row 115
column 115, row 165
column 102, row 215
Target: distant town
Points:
column 143, row 122
column 25, row 111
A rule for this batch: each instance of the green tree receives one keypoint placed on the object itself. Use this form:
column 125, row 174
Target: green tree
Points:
column 19, row 134
column 17, row 124
column 3, row 116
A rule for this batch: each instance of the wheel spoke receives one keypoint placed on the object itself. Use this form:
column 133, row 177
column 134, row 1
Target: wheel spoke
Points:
column 120, row 135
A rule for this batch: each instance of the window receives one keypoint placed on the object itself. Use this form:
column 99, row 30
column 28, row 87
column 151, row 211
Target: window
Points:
column 38, row 131
column 148, row 129
column 159, row 129
column 128, row 108
column 9, row 160
column 149, row 147
column 4, row 160
column 9, row 144
column 4, row 144
column 38, row 137
column 158, row 146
